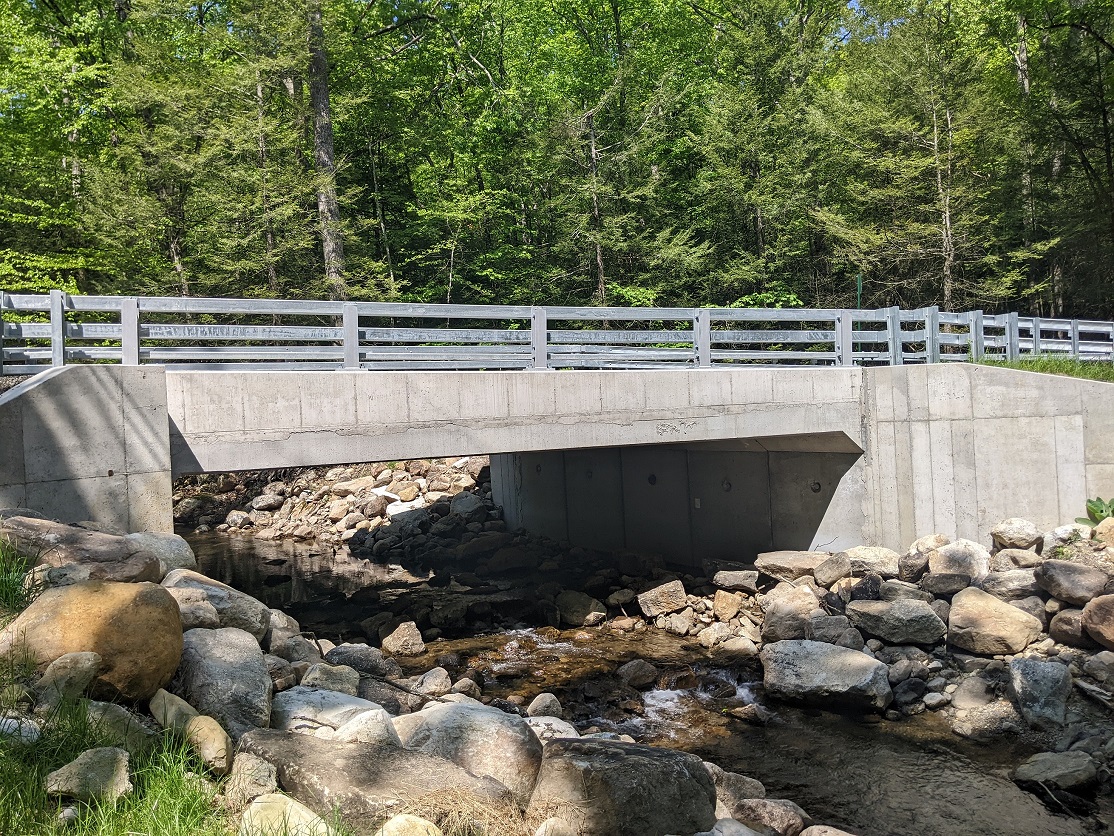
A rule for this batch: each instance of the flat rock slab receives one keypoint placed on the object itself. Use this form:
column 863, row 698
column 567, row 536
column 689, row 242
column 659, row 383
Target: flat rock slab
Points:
column 980, row 623
column 904, row 621
column 825, row 674
column 105, row 557
column 624, row 789
column 1072, row 582
column 789, row 565
column 362, row 780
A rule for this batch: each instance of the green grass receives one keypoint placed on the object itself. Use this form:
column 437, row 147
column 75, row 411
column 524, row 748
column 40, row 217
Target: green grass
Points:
column 14, row 594
column 1090, row 370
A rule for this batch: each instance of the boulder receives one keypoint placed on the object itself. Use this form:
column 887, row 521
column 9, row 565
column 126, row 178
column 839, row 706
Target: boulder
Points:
column 469, row 506
column 95, row 775
column 359, row 780
column 406, row 640
column 826, row 674
column 172, row 550
column 1040, row 690
column 340, row 678
column 67, row 677
column 731, row 788
column 234, row 608
column 84, row 553
column 961, row 557
column 1098, row 620
column 831, row 570
column 1066, row 770
column 544, row 705
column 274, row 813
column 551, row 728
column 789, row 565
column 249, row 778
column 374, row 726
column 405, row 824
column 895, row 590
column 945, row 584
column 134, row 627
column 904, row 621
column 267, row 502
column 787, row 614
column 576, row 608
column 726, row 605
column 115, row 725
column 305, row 710
column 1020, row 558
column 223, row 675
column 638, row 673
column 874, row 559
column 1011, row 584
column 768, row 816
column 1067, row 627
column 195, row 609
column 915, row 561
column 980, row 623
column 623, row 789
column 1074, row 583
column 478, row 738
column 741, row 581
column 664, row 599
column 365, row 659
column 1015, row 533
column 1063, row 535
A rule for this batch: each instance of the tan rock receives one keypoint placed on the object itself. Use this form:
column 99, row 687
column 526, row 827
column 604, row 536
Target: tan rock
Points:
column 726, row 605
column 100, row 556
column 134, row 627
column 1104, row 531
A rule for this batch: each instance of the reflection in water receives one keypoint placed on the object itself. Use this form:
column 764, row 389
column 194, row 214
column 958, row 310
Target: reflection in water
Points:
column 872, row 778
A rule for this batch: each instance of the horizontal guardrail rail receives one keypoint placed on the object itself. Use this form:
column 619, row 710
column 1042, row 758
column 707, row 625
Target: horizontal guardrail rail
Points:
column 45, row 330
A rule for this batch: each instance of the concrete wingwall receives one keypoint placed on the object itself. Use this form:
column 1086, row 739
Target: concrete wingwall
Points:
column 89, row 443
column 956, row 448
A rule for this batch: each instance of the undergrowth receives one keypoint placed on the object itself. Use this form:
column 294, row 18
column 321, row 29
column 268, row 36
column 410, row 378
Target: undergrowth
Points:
column 1067, row 366
column 15, row 594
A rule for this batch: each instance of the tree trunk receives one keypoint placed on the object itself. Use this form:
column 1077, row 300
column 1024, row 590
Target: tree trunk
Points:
column 597, row 214
column 324, row 155
column 943, row 161
column 373, row 153
column 265, row 196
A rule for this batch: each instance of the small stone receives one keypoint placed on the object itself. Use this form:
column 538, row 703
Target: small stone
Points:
column 339, row 678
column 405, row 824
column 1062, row 769
column 373, row 726
column 1015, row 533
column 544, row 705
column 406, row 640
column 662, row 600
column 274, row 814
column 250, row 777
column 95, row 775
column 638, row 673
column 20, row 728
column 68, row 677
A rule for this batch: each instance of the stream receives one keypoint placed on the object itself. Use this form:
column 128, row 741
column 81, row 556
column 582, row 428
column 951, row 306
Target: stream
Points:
column 870, row 777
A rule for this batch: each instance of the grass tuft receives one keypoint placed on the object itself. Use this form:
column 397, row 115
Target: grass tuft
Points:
column 1066, row 366
column 15, row 594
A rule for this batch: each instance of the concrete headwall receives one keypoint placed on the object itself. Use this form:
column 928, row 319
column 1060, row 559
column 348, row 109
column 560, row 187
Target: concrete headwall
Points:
column 89, row 443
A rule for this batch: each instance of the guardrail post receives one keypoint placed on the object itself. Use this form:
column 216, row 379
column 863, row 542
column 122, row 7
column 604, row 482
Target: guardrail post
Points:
column 894, row 338
column 57, row 328
column 702, row 337
column 3, row 305
column 976, row 338
column 1075, row 339
column 845, row 355
column 129, row 331
column 932, row 334
column 1036, row 331
column 1013, row 336
column 350, row 317
column 539, row 338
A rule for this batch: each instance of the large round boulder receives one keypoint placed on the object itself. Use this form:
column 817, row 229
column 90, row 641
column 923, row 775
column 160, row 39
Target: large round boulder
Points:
column 483, row 740
column 962, row 557
column 980, row 623
column 134, row 627
column 623, row 789
column 1098, row 620
column 1072, row 582
column 904, row 621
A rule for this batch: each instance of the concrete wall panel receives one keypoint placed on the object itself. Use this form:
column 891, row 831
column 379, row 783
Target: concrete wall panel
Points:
column 541, row 483
column 729, row 504
column 594, row 498
column 655, row 496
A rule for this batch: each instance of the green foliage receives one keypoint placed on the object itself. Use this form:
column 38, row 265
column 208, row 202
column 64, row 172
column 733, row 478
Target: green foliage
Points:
column 1066, row 366
column 1097, row 510
column 15, row 594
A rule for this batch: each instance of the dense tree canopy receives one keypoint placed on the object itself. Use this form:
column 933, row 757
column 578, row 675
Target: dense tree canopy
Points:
column 633, row 152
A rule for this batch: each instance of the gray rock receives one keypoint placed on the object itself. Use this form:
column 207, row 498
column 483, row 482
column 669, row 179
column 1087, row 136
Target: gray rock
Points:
column 945, row 584
column 249, row 778
column 95, row 775
column 735, row 650
column 1066, row 770
column 973, row 692
column 914, row 562
column 743, row 581
column 172, row 550
column 789, row 565
column 1074, row 583
column 874, row 559
column 339, row 678
column 305, row 710
column 1067, row 628
column 576, row 608
column 827, row 628
column 895, row 590
column 638, row 673
column 768, row 816
column 469, row 506
column 1015, row 533
column 365, row 659
column 434, row 683
column 1040, row 690
column 544, row 705
column 267, row 502
column 935, row 701
column 731, row 788
column 1100, row 667
column 374, row 726
column 1035, row 606
column 961, row 557
column 222, row 674
column 483, row 740
column 20, row 729
column 551, row 728
column 1098, row 620
column 295, row 649
column 68, row 677
column 904, row 621
column 1021, row 558
column 827, row 674
column 1011, row 584
column 406, row 640
column 980, row 623
column 196, row 609
column 831, row 570
column 624, row 789
column 787, row 615
column 1064, row 535
column 661, row 600
column 234, row 609
column 358, row 779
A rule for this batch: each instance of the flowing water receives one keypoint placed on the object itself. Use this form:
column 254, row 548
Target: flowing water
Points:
column 870, row 777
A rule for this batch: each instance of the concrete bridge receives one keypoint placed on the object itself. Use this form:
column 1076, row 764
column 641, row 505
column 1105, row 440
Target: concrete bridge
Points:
column 693, row 463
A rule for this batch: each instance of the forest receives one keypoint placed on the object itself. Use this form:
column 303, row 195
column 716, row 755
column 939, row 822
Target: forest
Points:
column 749, row 153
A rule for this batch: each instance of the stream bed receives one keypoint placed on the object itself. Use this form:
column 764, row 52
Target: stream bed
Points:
column 868, row 776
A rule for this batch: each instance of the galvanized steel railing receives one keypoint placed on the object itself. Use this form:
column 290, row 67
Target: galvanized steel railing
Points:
column 42, row 331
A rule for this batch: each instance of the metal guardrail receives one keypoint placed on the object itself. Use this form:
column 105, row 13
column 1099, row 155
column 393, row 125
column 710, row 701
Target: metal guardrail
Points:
column 42, row 331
